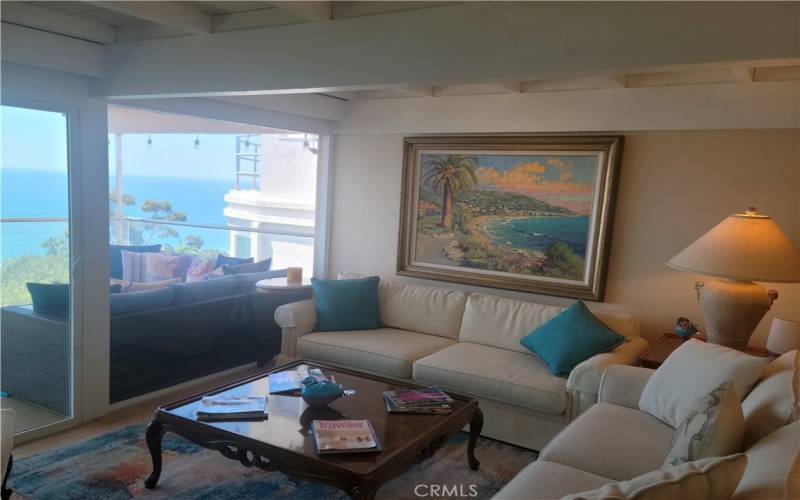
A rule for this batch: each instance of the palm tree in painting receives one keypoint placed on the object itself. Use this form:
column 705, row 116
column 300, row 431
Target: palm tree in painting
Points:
column 448, row 175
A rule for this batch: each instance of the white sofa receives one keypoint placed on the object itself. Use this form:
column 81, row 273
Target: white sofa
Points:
column 468, row 343
column 615, row 441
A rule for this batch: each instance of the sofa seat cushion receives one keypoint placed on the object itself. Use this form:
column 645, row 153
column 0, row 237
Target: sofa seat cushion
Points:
column 510, row 377
column 543, row 480
column 384, row 350
column 611, row 441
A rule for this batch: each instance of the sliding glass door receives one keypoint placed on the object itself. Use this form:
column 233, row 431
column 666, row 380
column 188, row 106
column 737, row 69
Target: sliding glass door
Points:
column 36, row 262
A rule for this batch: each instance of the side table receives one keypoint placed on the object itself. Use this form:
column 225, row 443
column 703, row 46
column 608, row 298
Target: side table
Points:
column 658, row 351
column 282, row 285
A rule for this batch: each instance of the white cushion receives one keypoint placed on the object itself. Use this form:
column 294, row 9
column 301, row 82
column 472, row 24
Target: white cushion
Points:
column 611, row 441
column 385, row 350
column 499, row 322
column 693, row 370
column 773, row 401
column 707, row 479
column 437, row 311
column 506, row 376
column 542, row 480
column 714, row 428
column 773, row 467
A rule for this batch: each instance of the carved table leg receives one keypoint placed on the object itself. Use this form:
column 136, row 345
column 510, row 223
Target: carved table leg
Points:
column 475, row 427
column 362, row 493
column 155, row 431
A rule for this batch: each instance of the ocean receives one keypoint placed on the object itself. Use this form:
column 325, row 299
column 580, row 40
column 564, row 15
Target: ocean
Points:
column 538, row 233
column 43, row 193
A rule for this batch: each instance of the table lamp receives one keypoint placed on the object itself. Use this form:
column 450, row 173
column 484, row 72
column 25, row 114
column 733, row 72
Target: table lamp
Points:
column 784, row 335
column 741, row 249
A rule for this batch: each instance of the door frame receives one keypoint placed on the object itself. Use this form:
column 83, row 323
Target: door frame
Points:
column 75, row 227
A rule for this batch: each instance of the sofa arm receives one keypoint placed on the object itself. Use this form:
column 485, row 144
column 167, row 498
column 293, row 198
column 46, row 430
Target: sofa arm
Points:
column 623, row 385
column 586, row 376
column 295, row 319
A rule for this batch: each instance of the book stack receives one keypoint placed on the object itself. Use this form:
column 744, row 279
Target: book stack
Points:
column 428, row 401
column 221, row 408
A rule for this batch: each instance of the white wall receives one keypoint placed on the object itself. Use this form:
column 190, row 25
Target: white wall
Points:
column 674, row 185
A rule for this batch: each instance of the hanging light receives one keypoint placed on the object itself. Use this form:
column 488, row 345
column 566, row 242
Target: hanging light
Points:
column 149, row 142
column 196, row 142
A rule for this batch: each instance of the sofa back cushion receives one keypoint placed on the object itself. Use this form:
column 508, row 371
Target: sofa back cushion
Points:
column 773, row 466
column 775, row 400
column 145, row 300
column 435, row 311
column 499, row 322
column 199, row 291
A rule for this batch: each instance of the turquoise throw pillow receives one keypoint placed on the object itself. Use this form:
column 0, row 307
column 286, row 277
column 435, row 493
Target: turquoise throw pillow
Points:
column 573, row 336
column 346, row 304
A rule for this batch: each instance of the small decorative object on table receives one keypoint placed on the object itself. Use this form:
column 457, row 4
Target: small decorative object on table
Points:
column 318, row 393
column 685, row 328
column 294, row 275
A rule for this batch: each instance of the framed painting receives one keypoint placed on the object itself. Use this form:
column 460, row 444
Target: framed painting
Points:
column 520, row 212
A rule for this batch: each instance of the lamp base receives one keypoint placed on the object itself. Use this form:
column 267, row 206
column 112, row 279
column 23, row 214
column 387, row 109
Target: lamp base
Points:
column 732, row 310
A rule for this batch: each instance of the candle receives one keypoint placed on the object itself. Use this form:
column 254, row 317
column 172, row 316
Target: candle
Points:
column 294, row 275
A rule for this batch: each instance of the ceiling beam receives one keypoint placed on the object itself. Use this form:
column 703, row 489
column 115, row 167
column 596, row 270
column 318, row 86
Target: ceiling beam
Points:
column 512, row 86
column 618, row 81
column 310, row 11
column 166, row 13
column 55, row 22
column 743, row 73
column 417, row 90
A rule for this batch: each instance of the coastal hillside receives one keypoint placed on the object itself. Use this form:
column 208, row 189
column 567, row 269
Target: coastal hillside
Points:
column 482, row 202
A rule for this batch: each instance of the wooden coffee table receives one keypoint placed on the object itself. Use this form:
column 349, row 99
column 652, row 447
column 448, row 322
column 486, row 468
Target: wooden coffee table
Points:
column 283, row 442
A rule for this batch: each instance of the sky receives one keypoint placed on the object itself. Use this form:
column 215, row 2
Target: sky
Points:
column 35, row 140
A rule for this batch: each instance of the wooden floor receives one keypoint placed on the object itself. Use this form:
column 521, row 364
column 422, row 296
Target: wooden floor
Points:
column 136, row 413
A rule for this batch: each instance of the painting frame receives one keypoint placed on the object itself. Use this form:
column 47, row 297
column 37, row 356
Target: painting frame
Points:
column 607, row 147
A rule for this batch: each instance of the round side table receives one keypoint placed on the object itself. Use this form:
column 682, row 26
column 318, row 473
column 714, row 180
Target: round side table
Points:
column 278, row 285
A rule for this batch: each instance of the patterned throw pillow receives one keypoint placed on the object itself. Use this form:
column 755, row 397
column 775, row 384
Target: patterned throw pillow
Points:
column 199, row 269
column 150, row 266
column 713, row 428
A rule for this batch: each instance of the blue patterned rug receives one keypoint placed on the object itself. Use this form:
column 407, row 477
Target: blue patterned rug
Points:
column 114, row 466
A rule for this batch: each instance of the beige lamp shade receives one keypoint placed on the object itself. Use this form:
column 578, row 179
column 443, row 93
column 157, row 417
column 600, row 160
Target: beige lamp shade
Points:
column 748, row 246
column 784, row 335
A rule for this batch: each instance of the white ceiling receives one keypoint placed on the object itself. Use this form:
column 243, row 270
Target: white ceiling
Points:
column 114, row 23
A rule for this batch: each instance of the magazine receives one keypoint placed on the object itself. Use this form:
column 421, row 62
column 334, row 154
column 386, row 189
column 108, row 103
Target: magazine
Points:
column 289, row 382
column 418, row 397
column 344, row 436
column 429, row 409
column 213, row 408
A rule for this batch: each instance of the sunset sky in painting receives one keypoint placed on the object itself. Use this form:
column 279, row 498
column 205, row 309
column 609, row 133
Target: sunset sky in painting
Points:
column 565, row 181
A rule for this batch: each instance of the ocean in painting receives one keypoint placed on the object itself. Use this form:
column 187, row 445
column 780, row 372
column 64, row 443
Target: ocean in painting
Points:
column 540, row 232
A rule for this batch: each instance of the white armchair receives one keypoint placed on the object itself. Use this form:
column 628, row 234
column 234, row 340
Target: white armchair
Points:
column 295, row 319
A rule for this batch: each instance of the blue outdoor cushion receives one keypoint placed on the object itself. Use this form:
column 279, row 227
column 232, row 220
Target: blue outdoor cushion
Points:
column 115, row 258
column 253, row 267
column 247, row 281
column 199, row 291
column 50, row 298
column 146, row 300
column 224, row 260
column 346, row 304
column 573, row 336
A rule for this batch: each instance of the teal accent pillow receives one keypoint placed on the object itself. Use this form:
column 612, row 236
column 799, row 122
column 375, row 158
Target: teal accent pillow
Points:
column 346, row 304
column 573, row 336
